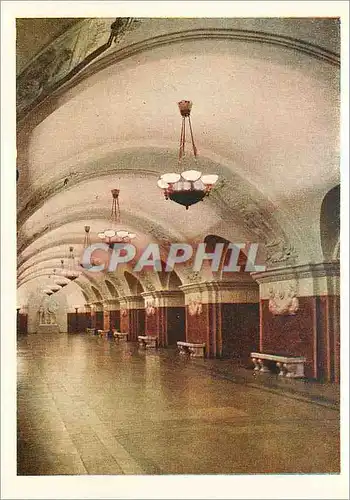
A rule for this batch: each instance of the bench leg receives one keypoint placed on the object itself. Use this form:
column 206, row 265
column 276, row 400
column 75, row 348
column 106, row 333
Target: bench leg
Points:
column 256, row 365
column 183, row 350
column 294, row 370
column 281, row 368
column 263, row 368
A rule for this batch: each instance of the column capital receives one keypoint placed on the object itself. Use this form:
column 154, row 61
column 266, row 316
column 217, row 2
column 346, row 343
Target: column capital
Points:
column 320, row 270
column 111, row 304
column 97, row 306
column 131, row 302
column 164, row 298
column 241, row 290
column 305, row 280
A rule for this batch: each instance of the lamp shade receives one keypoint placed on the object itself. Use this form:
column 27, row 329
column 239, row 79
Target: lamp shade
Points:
column 122, row 233
column 162, row 184
column 191, row 175
column 209, row 180
column 170, row 178
column 109, row 233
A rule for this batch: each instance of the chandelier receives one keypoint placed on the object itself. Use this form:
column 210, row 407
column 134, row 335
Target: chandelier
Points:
column 87, row 239
column 110, row 235
column 56, row 287
column 70, row 272
column 190, row 186
column 61, row 281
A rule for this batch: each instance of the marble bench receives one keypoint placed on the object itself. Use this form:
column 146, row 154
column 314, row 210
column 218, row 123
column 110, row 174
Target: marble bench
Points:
column 288, row 366
column 103, row 333
column 194, row 349
column 120, row 335
column 147, row 341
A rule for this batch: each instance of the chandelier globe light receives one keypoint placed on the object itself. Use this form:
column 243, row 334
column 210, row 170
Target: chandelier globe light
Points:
column 111, row 236
column 70, row 272
column 61, row 280
column 191, row 186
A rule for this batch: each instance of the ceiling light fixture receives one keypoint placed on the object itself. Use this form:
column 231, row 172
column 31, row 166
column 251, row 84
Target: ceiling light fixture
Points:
column 71, row 272
column 60, row 280
column 111, row 236
column 190, row 186
column 87, row 239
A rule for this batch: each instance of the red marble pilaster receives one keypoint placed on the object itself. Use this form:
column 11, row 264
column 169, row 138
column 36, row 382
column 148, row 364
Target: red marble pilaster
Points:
column 165, row 316
column 311, row 330
column 224, row 315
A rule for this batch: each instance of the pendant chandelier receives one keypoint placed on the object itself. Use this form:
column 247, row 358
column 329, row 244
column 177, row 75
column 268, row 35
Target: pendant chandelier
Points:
column 87, row 239
column 190, row 186
column 52, row 288
column 61, row 281
column 70, row 272
column 112, row 235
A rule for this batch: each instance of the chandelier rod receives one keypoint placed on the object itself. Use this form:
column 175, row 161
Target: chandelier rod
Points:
column 182, row 138
column 192, row 139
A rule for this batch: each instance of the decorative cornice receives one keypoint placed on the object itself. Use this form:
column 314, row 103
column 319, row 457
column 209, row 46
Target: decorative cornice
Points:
column 157, row 294
column 298, row 272
column 216, row 286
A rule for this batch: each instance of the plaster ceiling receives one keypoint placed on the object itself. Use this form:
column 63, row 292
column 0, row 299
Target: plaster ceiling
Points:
column 263, row 114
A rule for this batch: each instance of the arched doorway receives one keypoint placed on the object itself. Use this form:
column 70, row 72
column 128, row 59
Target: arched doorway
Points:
column 330, row 224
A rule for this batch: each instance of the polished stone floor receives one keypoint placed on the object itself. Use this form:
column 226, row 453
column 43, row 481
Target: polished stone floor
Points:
column 92, row 406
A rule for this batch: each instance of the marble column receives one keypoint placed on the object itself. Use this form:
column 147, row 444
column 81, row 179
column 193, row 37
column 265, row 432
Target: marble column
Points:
column 110, row 313
column 88, row 315
column 224, row 315
column 97, row 315
column 165, row 315
column 132, row 316
column 300, row 316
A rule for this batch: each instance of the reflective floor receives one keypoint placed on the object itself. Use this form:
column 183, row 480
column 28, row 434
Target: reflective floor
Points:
column 92, row 406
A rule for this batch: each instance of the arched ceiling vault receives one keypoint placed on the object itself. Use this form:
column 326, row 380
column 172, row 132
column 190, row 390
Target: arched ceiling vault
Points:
column 267, row 124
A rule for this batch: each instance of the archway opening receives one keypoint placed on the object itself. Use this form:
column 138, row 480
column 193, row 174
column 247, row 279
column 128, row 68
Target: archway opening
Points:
column 330, row 224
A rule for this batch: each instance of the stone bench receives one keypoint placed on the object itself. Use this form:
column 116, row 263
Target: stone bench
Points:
column 147, row 341
column 91, row 331
column 103, row 333
column 288, row 366
column 194, row 349
column 120, row 335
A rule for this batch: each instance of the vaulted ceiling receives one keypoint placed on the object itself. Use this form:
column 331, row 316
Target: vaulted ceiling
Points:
column 265, row 118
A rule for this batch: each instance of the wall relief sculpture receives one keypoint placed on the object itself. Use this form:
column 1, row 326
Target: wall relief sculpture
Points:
column 123, row 313
column 47, row 312
column 283, row 302
column 195, row 306
column 150, row 307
